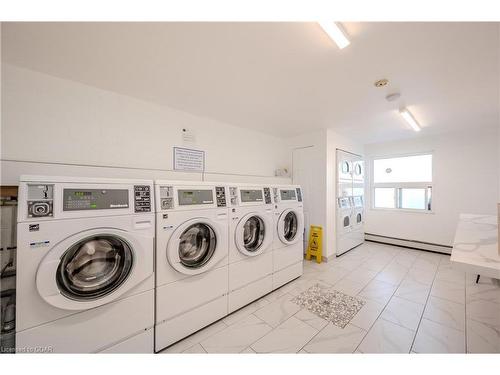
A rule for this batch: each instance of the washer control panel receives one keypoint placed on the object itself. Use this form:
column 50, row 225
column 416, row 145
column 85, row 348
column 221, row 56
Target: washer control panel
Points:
column 40, row 200
column 95, row 199
column 142, row 198
column 167, row 197
column 233, row 195
column 267, row 195
column 299, row 194
column 220, row 195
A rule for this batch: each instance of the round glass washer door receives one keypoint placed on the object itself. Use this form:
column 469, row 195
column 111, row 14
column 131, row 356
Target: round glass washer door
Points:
column 197, row 245
column 94, row 267
column 290, row 225
column 252, row 235
column 193, row 247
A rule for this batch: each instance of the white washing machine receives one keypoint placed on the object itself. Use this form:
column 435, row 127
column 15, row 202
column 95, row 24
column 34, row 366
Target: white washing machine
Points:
column 344, row 225
column 357, row 234
column 250, row 244
column 85, row 276
column 191, row 258
column 288, row 242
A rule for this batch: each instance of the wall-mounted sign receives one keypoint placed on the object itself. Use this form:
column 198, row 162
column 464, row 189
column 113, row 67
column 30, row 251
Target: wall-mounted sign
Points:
column 187, row 159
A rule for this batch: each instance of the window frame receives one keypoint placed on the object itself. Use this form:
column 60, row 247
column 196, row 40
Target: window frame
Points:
column 399, row 186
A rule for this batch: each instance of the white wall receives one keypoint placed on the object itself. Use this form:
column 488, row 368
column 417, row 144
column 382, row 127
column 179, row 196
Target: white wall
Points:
column 465, row 180
column 55, row 126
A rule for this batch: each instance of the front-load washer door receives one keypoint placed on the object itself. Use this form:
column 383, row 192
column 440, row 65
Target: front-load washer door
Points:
column 253, row 234
column 194, row 246
column 93, row 268
column 290, row 226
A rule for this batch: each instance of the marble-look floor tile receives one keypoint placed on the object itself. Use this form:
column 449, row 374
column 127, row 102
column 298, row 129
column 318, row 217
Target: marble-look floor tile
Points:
column 288, row 337
column 245, row 311
column 449, row 274
column 423, row 276
column 403, row 312
column 431, row 257
column 248, row 350
column 378, row 291
column 333, row 275
column 450, row 291
column 414, row 291
column 275, row 294
column 436, row 338
column 484, row 311
column 278, row 311
column 361, row 275
column 195, row 349
column 368, row 314
column 312, row 319
column 196, row 338
column 333, row 339
column 350, row 264
column 425, row 264
column 387, row 337
column 445, row 312
column 237, row 337
column 487, row 290
column 392, row 274
column 482, row 338
column 405, row 260
column 348, row 286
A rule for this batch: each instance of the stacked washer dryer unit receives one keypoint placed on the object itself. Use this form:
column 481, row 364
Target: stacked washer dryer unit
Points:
column 85, row 277
column 288, row 244
column 191, row 258
column 250, row 244
column 350, row 201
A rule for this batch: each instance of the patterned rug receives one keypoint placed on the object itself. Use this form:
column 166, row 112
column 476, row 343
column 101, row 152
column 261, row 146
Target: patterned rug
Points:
column 331, row 305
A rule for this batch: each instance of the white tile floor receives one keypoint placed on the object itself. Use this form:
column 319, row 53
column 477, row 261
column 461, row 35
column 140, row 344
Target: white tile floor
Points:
column 415, row 303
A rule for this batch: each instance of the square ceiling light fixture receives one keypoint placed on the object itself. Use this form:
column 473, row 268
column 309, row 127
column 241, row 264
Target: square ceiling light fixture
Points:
column 410, row 119
column 335, row 31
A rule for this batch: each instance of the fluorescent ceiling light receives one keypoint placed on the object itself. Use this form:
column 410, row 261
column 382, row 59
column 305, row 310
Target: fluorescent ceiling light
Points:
column 410, row 119
column 335, row 32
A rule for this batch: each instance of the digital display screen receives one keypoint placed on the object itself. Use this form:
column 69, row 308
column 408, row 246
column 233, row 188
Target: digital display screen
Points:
column 92, row 199
column 194, row 197
column 287, row 195
column 251, row 195
column 82, row 193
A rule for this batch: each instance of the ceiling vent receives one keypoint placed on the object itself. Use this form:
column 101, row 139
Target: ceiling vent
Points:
column 381, row 82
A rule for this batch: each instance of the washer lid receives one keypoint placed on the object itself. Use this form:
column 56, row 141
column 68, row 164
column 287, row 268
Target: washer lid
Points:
column 290, row 226
column 193, row 246
column 253, row 234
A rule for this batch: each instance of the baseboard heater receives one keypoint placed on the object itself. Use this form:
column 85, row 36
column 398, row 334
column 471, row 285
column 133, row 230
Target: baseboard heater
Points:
column 412, row 244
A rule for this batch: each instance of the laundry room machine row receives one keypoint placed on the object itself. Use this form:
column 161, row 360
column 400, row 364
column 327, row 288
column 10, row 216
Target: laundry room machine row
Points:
column 87, row 277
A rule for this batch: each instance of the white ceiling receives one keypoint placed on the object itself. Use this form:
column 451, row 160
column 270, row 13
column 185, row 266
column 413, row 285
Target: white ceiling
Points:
column 281, row 78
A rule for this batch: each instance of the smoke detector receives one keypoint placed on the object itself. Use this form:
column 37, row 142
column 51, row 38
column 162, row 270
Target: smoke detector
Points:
column 393, row 97
column 381, row 82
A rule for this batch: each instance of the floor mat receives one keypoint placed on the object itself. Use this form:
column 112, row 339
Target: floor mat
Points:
column 331, row 305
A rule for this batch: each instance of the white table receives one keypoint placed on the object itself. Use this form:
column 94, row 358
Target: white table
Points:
column 475, row 249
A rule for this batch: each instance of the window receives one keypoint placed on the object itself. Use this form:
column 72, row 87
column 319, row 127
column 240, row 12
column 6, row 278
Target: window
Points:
column 403, row 183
